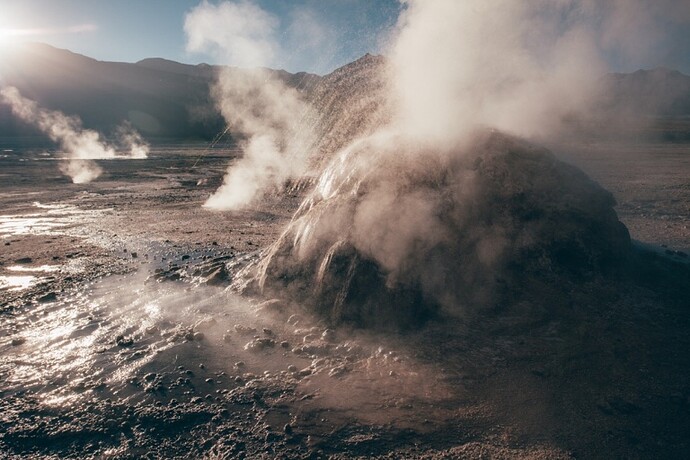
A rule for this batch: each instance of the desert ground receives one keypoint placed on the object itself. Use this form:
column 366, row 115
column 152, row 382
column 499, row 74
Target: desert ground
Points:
column 121, row 335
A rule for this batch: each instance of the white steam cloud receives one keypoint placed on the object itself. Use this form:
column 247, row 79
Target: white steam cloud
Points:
column 238, row 32
column 515, row 65
column 81, row 145
column 461, row 65
column 254, row 102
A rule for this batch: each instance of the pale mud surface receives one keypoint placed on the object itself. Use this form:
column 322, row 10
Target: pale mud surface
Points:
column 119, row 339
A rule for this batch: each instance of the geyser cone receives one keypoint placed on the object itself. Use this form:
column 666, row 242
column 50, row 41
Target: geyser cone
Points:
column 395, row 232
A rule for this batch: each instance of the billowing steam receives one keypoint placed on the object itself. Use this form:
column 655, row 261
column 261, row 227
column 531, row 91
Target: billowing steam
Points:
column 519, row 66
column 254, row 102
column 81, row 145
column 436, row 209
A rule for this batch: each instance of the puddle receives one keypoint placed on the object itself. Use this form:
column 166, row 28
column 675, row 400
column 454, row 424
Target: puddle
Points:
column 52, row 218
column 17, row 283
column 42, row 268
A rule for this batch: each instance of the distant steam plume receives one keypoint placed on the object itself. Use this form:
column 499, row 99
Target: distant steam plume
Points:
column 254, row 102
column 81, row 145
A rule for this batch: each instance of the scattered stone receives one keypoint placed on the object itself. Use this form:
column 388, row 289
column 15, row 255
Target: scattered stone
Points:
column 24, row 260
column 218, row 277
column 338, row 371
column 123, row 341
column 328, row 335
column 134, row 255
column 198, row 336
column 292, row 368
column 285, row 344
column 239, row 364
column 273, row 306
column 305, row 372
column 50, row 297
column 259, row 344
column 227, row 337
column 268, row 332
column 18, row 341
column 245, row 330
column 287, row 429
column 309, row 338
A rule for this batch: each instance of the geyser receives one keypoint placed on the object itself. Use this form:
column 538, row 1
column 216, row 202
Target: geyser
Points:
column 81, row 145
column 396, row 231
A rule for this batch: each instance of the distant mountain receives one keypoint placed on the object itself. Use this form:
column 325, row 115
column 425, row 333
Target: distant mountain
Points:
column 160, row 98
column 658, row 92
column 163, row 98
column 643, row 105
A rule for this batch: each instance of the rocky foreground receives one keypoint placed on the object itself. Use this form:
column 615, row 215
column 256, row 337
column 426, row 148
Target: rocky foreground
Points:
column 131, row 346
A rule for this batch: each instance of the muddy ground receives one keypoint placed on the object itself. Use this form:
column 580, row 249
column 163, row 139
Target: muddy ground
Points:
column 120, row 339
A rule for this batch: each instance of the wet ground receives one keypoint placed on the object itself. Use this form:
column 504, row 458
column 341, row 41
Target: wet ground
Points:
column 120, row 339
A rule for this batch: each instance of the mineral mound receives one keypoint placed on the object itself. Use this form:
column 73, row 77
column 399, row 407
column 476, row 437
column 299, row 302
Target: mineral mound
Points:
column 397, row 232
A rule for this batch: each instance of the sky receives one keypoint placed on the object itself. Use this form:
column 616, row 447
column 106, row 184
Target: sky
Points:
column 131, row 30
column 314, row 35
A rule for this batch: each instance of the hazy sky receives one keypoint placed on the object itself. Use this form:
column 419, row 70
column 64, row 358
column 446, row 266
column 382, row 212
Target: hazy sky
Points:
column 130, row 30
column 317, row 35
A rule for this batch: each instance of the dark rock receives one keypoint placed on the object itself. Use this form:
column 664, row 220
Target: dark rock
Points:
column 453, row 230
column 24, row 260
column 123, row 341
column 50, row 297
column 219, row 276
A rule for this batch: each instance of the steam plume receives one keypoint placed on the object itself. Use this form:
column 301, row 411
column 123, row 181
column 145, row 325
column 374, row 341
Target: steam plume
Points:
column 81, row 145
column 518, row 66
column 254, row 103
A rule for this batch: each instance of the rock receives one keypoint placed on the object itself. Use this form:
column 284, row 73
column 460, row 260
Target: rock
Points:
column 219, row 276
column 259, row 344
column 123, row 341
column 338, row 371
column 16, row 341
column 273, row 306
column 452, row 232
column 198, row 336
column 244, row 330
column 24, row 260
column 50, row 297
column 328, row 335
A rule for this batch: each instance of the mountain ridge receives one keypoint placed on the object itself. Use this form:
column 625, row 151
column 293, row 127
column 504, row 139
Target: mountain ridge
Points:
column 168, row 99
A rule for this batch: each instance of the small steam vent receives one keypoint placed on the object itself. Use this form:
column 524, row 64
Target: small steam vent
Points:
column 396, row 232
